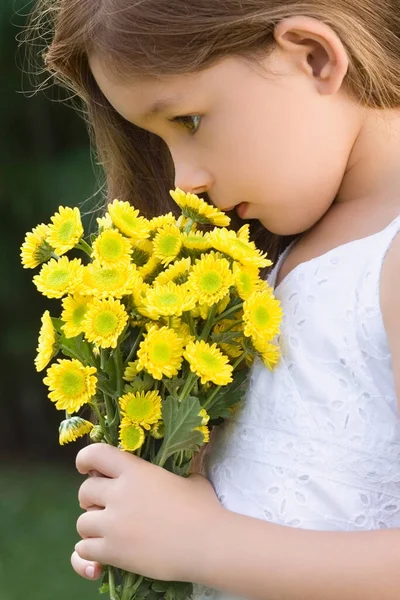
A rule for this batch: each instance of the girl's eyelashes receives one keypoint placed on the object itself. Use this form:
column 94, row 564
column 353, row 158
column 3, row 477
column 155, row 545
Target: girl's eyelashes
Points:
column 190, row 122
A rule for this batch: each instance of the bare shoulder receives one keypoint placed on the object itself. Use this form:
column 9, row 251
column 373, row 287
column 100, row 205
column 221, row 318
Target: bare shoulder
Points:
column 390, row 303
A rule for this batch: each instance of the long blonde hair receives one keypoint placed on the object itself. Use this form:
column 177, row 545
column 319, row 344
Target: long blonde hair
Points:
column 160, row 37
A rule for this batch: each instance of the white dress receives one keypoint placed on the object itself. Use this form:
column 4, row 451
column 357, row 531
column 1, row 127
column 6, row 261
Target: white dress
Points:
column 315, row 444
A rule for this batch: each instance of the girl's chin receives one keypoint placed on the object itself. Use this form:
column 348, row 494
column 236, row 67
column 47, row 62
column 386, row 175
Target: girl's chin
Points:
column 242, row 209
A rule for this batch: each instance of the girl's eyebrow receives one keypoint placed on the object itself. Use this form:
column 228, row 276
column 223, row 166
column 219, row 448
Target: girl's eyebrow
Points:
column 162, row 105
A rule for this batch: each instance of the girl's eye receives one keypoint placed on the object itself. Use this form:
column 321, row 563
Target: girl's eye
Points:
column 192, row 122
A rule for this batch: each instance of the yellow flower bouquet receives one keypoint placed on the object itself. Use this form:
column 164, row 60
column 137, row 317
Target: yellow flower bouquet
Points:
column 159, row 325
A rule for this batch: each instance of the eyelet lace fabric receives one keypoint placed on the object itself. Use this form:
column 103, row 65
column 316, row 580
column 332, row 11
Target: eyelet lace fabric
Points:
column 315, row 444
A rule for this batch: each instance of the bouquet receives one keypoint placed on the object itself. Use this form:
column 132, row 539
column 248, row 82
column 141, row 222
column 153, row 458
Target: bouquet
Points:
column 159, row 325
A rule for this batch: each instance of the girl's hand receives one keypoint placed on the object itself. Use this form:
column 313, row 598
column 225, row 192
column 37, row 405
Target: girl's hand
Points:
column 147, row 520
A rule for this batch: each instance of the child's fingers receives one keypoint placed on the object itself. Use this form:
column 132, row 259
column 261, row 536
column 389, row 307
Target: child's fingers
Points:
column 80, row 566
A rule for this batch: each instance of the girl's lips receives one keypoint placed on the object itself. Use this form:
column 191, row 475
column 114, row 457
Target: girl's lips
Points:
column 241, row 209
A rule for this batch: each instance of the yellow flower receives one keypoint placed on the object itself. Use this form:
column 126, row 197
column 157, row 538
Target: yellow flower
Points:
column 227, row 241
column 111, row 249
column 104, row 322
column 198, row 241
column 66, row 229
column 183, row 223
column 232, row 348
column 194, row 208
column 247, row 279
column 59, row 277
column 73, row 428
column 210, row 278
column 262, row 315
column 177, row 272
column 71, row 384
column 126, row 219
column 142, row 251
column 131, row 371
column 167, row 244
column 150, row 270
column 75, row 308
column 139, row 292
column 142, row 408
column 205, row 431
column 167, row 300
column 160, row 353
column 205, row 416
column 271, row 356
column 203, row 310
column 104, row 223
column 47, row 343
column 162, row 221
column 131, row 436
column 158, row 430
column 105, row 282
column 208, row 362
column 35, row 249
column 244, row 233
column 183, row 330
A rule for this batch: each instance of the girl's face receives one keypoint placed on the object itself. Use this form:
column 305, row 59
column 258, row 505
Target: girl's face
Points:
column 268, row 138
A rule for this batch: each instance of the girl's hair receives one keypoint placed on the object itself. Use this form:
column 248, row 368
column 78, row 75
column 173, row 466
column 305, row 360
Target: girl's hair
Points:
column 153, row 38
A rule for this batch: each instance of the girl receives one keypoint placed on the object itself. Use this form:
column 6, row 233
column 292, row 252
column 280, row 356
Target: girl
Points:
column 288, row 111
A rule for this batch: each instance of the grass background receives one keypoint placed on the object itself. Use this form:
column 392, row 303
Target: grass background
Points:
column 38, row 512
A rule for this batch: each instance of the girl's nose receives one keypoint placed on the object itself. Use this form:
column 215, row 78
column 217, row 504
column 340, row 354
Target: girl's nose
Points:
column 192, row 181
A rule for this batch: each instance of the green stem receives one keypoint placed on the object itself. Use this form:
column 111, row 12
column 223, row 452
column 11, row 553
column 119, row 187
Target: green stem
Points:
column 118, row 367
column 102, row 423
column 130, row 586
column 230, row 310
column 189, row 226
column 191, row 324
column 111, row 581
column 190, row 381
column 85, row 247
column 135, row 346
column 209, row 323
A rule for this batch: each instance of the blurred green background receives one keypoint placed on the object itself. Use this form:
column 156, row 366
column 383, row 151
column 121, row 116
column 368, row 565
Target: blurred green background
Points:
column 45, row 161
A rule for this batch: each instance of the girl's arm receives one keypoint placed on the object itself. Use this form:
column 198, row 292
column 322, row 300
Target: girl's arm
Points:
column 263, row 561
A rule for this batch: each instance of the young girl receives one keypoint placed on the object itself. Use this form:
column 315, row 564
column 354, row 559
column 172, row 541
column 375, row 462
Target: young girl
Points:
column 288, row 111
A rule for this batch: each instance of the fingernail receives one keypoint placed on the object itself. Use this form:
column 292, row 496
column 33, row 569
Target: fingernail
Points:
column 89, row 572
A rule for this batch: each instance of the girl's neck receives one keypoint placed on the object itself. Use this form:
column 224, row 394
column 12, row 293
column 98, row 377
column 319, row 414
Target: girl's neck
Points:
column 373, row 173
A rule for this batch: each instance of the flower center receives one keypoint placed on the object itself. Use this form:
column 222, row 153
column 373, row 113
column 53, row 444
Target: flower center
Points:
column 169, row 299
column 210, row 361
column 66, row 230
column 58, row 277
column 210, row 282
column 132, row 436
column 78, row 314
column 106, row 323
column 261, row 316
column 139, row 409
column 161, row 352
column 111, row 248
column 73, row 384
column 107, row 277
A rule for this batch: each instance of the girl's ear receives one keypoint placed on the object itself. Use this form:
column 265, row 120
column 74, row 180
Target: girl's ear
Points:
column 315, row 49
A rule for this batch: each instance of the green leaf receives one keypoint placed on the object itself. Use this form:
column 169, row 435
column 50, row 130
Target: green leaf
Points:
column 104, row 589
column 229, row 395
column 173, row 590
column 180, row 419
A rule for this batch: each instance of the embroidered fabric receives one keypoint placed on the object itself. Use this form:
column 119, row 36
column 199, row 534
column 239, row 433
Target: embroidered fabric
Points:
column 315, row 444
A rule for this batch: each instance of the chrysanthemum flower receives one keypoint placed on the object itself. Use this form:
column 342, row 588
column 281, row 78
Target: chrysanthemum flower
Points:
column 104, row 322
column 183, row 330
column 59, row 277
column 262, row 315
column 74, row 312
column 205, row 416
column 183, row 223
column 35, row 249
column 162, row 221
column 198, row 241
column 177, row 272
column 210, row 278
column 126, row 219
column 205, row 431
column 160, row 353
column 203, row 310
column 246, row 279
column 142, row 408
column 158, row 430
column 106, row 282
column 131, row 436
column 47, row 344
column 167, row 244
column 208, row 362
column 131, row 371
column 111, row 249
column 104, row 223
column 73, row 428
column 71, row 384
column 66, row 229
column 151, row 269
column 167, row 300
column 228, row 242
column 139, row 293
column 270, row 353
column 198, row 210
column 142, row 251
column 233, row 348
column 244, row 233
